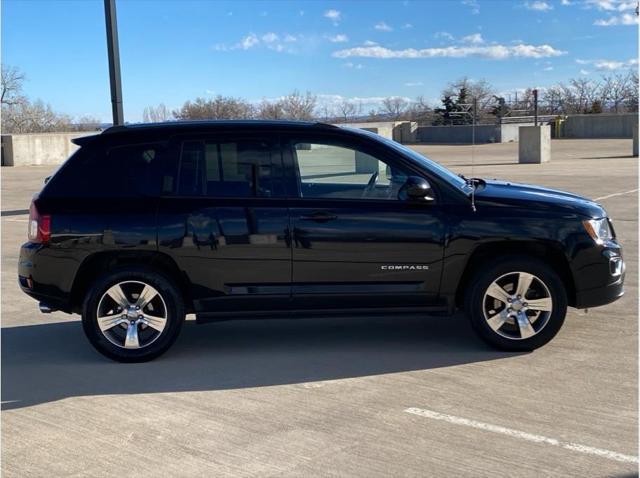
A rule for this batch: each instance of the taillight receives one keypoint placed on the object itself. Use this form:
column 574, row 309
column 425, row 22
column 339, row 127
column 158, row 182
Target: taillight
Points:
column 39, row 225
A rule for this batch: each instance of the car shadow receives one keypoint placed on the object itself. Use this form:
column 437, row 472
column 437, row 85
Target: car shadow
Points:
column 48, row 362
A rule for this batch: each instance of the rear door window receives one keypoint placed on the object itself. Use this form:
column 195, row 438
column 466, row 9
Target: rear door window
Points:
column 247, row 168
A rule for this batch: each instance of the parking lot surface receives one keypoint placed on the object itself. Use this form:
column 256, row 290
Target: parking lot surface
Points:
column 392, row 396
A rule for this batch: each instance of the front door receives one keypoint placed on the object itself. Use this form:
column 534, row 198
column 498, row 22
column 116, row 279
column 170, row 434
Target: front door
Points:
column 355, row 243
column 226, row 225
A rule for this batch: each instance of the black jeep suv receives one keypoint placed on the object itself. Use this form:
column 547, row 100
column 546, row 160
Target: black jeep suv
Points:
column 144, row 224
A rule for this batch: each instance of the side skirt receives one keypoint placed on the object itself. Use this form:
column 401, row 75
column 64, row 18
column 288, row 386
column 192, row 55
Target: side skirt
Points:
column 207, row 317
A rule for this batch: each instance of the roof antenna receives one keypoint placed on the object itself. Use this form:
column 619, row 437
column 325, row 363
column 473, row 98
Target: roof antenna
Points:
column 473, row 151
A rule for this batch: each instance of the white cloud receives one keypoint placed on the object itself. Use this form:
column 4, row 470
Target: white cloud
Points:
column 340, row 38
column 365, row 102
column 473, row 5
column 539, row 6
column 565, row 2
column 495, row 52
column 269, row 40
column 383, row 27
column 355, row 66
column 548, row 68
column 584, row 72
column 624, row 19
column 370, row 43
column 612, row 5
column 248, row 42
column 475, row 39
column 615, row 65
column 406, row 26
column 609, row 65
column 334, row 15
column 445, row 35
column 414, row 83
column 270, row 37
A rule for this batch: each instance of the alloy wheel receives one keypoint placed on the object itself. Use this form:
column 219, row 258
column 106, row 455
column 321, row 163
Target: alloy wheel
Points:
column 517, row 305
column 131, row 314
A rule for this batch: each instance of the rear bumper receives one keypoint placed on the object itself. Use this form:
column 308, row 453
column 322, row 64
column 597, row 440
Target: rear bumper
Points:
column 41, row 280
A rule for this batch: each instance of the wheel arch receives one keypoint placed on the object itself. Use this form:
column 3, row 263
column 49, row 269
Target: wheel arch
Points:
column 549, row 253
column 97, row 263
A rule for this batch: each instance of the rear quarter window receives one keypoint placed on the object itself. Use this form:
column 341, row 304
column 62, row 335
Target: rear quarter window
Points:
column 120, row 171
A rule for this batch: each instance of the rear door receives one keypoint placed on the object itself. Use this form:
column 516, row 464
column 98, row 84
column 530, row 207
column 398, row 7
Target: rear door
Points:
column 224, row 220
column 355, row 244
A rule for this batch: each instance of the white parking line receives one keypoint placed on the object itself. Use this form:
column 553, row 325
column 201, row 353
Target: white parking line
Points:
column 616, row 194
column 589, row 450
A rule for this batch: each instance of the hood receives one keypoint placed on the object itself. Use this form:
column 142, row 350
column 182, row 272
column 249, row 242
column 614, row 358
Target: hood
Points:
column 527, row 195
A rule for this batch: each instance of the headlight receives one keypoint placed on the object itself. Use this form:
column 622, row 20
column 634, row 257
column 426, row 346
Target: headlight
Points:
column 598, row 229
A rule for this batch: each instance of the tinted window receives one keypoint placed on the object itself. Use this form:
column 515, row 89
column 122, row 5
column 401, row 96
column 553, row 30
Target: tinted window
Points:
column 126, row 171
column 229, row 169
column 330, row 171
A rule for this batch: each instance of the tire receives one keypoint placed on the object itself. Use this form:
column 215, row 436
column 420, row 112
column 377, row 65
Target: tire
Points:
column 523, row 324
column 107, row 322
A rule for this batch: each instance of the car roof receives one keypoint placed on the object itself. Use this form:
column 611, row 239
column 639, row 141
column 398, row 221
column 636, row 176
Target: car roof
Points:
column 168, row 128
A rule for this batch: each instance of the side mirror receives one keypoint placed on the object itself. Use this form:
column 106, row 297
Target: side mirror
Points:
column 416, row 189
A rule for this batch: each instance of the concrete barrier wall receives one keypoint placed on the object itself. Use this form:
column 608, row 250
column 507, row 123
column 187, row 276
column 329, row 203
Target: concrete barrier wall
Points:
column 575, row 126
column 38, row 148
column 400, row 131
column 600, row 126
column 459, row 134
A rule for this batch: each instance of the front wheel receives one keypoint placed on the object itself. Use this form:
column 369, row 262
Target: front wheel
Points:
column 516, row 303
column 132, row 314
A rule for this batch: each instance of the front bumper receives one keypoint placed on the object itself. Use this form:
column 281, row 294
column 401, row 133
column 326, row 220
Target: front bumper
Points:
column 601, row 295
column 608, row 272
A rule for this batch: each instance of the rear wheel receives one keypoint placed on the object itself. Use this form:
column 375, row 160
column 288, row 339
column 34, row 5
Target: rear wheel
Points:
column 516, row 303
column 132, row 314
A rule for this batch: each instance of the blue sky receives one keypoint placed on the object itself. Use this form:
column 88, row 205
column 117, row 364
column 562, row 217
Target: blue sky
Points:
column 172, row 51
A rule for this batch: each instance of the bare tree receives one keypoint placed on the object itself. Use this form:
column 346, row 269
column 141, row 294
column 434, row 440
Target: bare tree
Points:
column 395, row 106
column 36, row 117
column 327, row 113
column 220, row 107
column 11, row 79
column 618, row 89
column 481, row 91
column 86, row 123
column 349, row 109
column 631, row 103
column 585, row 92
column 420, row 110
column 297, row 106
column 270, row 110
column 156, row 114
column 553, row 99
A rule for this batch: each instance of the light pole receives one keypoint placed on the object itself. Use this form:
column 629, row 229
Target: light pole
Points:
column 113, row 53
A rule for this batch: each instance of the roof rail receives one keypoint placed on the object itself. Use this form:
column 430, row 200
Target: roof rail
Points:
column 114, row 129
column 328, row 125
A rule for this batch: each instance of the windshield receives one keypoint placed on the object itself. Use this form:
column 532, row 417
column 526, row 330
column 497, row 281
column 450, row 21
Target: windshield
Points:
column 427, row 163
